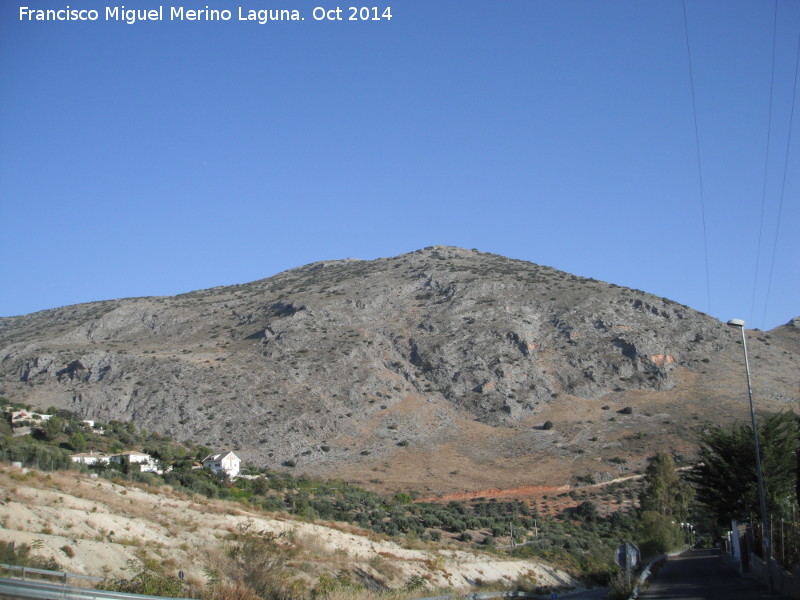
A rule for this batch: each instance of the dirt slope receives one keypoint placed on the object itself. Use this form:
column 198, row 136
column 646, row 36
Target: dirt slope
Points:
column 95, row 527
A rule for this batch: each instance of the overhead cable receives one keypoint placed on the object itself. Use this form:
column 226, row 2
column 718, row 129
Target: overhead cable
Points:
column 699, row 165
column 783, row 180
column 766, row 161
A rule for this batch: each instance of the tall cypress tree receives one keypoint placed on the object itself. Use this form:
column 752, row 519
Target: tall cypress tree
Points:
column 664, row 506
column 726, row 478
column 664, row 490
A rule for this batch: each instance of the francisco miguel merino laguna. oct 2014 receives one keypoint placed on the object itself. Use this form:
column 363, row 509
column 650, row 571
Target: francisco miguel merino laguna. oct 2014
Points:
column 175, row 13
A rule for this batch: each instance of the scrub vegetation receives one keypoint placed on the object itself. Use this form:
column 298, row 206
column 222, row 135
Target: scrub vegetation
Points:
column 577, row 531
column 577, row 538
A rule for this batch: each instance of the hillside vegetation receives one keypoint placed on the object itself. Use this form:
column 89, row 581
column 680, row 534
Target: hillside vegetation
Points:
column 277, row 536
column 128, row 511
column 119, row 529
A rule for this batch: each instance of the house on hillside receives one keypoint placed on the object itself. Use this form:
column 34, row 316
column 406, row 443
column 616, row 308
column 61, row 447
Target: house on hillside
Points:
column 20, row 417
column 93, row 426
column 89, row 458
column 225, row 462
column 24, row 422
column 147, row 463
column 131, row 456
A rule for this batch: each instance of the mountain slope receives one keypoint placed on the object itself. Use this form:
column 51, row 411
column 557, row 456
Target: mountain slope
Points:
column 433, row 370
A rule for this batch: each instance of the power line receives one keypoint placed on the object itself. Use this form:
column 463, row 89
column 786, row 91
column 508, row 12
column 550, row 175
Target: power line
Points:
column 766, row 160
column 699, row 166
column 783, row 181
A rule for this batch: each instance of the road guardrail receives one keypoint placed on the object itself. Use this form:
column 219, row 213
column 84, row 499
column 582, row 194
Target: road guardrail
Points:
column 39, row 590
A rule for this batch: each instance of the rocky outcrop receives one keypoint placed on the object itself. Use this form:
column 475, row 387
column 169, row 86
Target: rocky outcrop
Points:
column 348, row 366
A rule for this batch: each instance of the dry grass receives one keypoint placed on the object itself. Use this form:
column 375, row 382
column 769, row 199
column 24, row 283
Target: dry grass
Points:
column 107, row 524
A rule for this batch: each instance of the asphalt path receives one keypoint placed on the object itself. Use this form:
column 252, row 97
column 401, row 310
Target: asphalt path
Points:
column 703, row 575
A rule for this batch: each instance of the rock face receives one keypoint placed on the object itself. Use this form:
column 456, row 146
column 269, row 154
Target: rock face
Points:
column 433, row 370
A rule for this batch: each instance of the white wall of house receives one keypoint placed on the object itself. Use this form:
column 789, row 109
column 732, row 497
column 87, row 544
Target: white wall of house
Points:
column 26, row 415
column 224, row 462
column 89, row 459
column 230, row 464
column 132, row 457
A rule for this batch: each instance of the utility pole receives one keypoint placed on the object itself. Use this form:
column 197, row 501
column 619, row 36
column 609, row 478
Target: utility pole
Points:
column 765, row 533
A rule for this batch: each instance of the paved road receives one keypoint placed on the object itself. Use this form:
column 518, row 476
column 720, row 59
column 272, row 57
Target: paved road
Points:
column 703, row 575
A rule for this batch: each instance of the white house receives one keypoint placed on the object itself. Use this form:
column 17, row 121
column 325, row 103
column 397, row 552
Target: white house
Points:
column 19, row 416
column 225, row 462
column 146, row 462
column 92, row 425
column 89, row 459
column 131, row 456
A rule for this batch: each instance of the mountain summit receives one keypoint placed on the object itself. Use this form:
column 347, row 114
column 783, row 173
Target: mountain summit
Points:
column 438, row 370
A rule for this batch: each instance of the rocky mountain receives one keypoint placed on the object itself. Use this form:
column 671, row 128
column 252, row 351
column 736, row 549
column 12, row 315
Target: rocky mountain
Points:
column 438, row 370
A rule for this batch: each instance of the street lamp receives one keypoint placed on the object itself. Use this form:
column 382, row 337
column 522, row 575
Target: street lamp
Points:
column 739, row 323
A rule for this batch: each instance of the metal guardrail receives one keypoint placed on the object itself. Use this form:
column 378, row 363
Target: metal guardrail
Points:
column 23, row 589
column 648, row 569
column 31, row 570
column 37, row 590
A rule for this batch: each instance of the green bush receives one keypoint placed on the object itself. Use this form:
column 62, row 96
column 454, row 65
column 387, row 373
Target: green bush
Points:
column 619, row 588
column 20, row 555
column 658, row 534
column 148, row 579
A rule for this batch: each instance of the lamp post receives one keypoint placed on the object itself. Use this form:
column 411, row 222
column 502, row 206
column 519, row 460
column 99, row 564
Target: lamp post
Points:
column 765, row 532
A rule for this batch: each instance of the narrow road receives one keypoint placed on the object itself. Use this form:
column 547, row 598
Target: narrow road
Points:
column 703, row 575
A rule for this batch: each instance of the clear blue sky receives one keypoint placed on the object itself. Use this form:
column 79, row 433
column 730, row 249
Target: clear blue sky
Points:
column 162, row 157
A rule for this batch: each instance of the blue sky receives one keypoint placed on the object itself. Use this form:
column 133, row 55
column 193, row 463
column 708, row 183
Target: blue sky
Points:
column 165, row 156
